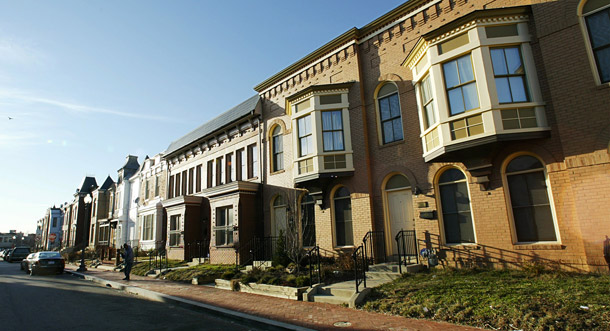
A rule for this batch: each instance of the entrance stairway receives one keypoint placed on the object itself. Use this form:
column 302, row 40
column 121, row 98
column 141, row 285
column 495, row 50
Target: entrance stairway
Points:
column 345, row 292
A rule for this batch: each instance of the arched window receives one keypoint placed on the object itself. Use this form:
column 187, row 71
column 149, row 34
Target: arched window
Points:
column 529, row 200
column 279, row 216
column 389, row 113
column 343, row 217
column 596, row 14
column 277, row 148
column 455, row 204
column 308, row 221
column 397, row 182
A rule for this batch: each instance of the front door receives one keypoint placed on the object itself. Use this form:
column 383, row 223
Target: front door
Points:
column 400, row 212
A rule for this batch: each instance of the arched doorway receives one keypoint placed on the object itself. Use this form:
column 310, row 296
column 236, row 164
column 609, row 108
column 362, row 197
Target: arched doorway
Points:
column 398, row 209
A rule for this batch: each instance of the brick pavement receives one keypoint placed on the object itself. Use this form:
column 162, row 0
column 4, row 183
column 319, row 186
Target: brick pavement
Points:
column 319, row 316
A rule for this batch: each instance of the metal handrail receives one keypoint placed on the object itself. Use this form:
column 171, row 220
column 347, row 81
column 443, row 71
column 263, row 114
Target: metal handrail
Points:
column 311, row 254
column 374, row 247
column 359, row 266
column 201, row 248
column 406, row 242
column 260, row 249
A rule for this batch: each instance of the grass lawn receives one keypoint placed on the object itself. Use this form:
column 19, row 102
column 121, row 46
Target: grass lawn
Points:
column 142, row 267
column 499, row 299
column 206, row 273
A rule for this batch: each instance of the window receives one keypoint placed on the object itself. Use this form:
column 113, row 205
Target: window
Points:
column 177, row 185
column 175, row 236
column 184, row 182
column 529, row 199
column 241, row 164
column 224, row 226
column 389, row 113
column 343, row 218
column 305, row 139
column 220, row 171
column 308, row 221
column 210, row 173
column 332, row 131
column 277, row 148
column 198, row 178
column 170, row 193
column 55, row 218
column 461, row 85
column 157, row 186
column 146, row 189
column 229, row 168
column 252, row 161
column 455, row 205
column 597, row 19
column 103, row 235
column 509, row 74
column 428, row 111
column 147, row 227
column 191, row 180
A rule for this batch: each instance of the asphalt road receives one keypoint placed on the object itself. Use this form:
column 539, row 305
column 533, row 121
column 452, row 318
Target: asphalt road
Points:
column 65, row 302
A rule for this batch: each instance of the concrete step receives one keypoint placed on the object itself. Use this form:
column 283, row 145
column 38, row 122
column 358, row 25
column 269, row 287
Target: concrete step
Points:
column 325, row 298
column 384, row 267
column 382, row 276
column 337, row 292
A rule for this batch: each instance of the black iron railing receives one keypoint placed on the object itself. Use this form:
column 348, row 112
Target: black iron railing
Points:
column 359, row 266
column 374, row 247
column 258, row 249
column 157, row 258
column 407, row 248
column 198, row 249
column 313, row 257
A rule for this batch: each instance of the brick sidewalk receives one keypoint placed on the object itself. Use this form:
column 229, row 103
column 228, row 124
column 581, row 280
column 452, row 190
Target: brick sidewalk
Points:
column 319, row 316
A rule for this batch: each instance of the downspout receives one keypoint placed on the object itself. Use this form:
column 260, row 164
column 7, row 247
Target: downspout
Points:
column 366, row 135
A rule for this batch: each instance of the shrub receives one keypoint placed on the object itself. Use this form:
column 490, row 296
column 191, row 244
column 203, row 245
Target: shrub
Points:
column 301, row 281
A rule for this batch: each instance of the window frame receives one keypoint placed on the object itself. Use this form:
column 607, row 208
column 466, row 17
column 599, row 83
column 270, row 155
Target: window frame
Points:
column 176, row 232
column 332, row 130
column 595, row 66
column 460, row 84
column 335, row 222
column 228, row 228
column 509, row 205
column 441, row 213
column 277, row 153
column 303, row 135
column 508, row 75
column 378, row 99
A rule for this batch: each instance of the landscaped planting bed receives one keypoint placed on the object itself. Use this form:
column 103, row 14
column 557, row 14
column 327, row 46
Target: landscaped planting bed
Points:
column 533, row 299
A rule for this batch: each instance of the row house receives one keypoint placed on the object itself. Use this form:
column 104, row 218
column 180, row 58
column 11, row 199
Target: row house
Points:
column 49, row 237
column 151, row 226
column 101, row 230
column 75, row 227
column 214, row 185
column 480, row 127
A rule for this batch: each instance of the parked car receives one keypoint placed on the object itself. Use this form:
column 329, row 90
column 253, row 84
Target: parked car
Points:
column 24, row 261
column 44, row 261
column 2, row 253
column 18, row 254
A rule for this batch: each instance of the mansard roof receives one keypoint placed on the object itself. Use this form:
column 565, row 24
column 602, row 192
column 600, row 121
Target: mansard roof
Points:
column 87, row 185
column 240, row 111
column 107, row 183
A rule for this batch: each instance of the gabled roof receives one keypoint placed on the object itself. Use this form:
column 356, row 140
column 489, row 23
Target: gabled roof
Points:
column 107, row 183
column 88, row 184
column 243, row 109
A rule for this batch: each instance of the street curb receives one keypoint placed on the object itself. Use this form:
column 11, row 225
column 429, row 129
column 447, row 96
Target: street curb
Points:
column 189, row 304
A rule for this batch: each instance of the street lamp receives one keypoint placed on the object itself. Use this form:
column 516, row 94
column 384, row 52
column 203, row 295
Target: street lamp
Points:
column 82, row 267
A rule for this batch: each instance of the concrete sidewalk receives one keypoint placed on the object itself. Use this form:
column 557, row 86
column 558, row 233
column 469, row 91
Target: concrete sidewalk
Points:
column 267, row 312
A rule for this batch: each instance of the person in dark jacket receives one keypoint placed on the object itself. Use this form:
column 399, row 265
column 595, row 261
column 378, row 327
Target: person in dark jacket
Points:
column 128, row 258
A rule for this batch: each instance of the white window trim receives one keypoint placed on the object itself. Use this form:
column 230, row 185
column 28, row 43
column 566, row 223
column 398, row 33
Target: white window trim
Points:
column 509, row 205
column 588, row 47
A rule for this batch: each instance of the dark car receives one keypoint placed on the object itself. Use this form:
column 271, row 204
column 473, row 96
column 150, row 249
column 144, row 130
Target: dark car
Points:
column 18, row 254
column 40, row 262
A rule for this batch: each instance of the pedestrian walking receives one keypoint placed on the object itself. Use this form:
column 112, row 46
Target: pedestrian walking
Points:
column 128, row 258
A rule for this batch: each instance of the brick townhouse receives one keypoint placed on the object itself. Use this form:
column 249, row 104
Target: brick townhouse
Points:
column 481, row 126
column 75, row 226
column 214, row 186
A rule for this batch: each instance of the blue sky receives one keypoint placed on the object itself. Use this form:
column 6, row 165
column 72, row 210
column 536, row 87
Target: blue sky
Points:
column 88, row 82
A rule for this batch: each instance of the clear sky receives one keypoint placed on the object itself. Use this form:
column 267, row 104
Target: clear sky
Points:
column 87, row 83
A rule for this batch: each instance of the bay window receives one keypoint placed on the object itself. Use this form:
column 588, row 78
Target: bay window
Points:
column 461, row 85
